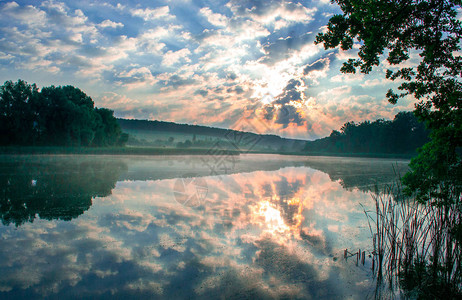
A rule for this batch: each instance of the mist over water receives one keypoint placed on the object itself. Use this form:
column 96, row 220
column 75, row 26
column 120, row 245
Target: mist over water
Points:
column 266, row 226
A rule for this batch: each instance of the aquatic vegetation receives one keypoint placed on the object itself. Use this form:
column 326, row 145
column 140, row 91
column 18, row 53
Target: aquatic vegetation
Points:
column 417, row 247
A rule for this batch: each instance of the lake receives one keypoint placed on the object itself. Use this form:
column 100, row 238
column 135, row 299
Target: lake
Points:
column 213, row 226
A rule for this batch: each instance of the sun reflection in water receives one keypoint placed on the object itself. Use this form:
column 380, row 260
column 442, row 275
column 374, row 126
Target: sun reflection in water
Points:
column 281, row 218
column 273, row 218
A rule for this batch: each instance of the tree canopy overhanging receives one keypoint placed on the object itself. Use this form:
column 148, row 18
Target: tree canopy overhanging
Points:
column 431, row 32
column 57, row 116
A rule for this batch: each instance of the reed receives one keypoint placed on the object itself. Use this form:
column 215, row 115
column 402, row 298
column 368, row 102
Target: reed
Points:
column 417, row 247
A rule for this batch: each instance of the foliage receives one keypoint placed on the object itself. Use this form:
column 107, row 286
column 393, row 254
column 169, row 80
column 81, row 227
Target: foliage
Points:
column 401, row 30
column 17, row 124
column 60, row 116
column 403, row 135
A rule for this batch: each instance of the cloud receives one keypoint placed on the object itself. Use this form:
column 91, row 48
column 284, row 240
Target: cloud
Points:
column 317, row 70
column 374, row 82
column 176, row 81
column 149, row 14
column 115, row 101
column 29, row 14
column 287, row 107
column 284, row 48
column 274, row 14
column 288, row 12
column 347, row 78
column 215, row 19
column 203, row 93
column 318, row 65
column 110, row 24
column 170, row 58
column 136, row 77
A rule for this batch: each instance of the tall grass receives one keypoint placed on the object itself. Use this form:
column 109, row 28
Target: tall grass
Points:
column 417, row 247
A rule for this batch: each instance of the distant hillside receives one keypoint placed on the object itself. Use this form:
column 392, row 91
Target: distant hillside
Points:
column 383, row 138
column 169, row 134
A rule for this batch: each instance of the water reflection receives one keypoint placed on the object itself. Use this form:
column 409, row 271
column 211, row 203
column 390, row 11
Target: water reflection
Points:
column 367, row 175
column 53, row 187
column 258, row 234
column 279, row 209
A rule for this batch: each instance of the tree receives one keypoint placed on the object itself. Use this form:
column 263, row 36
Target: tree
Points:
column 68, row 115
column 18, row 122
column 410, row 133
column 403, row 135
column 59, row 116
column 399, row 30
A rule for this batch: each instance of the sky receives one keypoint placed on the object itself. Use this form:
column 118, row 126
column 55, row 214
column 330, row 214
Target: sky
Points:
column 214, row 63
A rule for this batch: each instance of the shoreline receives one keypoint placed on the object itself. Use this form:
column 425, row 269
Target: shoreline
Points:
column 52, row 150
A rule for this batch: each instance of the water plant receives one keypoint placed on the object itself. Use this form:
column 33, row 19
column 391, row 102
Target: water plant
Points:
column 417, row 247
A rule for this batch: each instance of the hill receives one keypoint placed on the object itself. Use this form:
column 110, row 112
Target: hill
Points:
column 172, row 135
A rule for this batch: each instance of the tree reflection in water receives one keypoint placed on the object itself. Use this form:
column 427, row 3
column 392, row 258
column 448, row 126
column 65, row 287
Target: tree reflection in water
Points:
column 53, row 188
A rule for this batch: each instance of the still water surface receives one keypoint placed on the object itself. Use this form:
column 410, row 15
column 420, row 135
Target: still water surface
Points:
column 265, row 226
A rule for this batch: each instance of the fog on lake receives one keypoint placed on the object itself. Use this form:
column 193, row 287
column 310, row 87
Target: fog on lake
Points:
column 248, row 226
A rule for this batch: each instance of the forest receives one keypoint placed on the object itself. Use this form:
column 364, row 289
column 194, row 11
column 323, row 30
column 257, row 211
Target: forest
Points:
column 404, row 135
column 54, row 116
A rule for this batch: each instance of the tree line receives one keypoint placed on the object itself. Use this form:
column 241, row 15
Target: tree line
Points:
column 403, row 135
column 54, row 116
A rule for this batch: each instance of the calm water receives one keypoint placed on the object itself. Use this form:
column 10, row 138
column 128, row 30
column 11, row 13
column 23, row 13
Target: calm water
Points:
column 254, row 226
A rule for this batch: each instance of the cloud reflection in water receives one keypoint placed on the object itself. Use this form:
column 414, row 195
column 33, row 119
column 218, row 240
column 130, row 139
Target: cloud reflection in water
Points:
column 263, row 234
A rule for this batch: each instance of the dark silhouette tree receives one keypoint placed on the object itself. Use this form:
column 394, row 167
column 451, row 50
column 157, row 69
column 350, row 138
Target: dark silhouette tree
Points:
column 108, row 132
column 403, row 135
column 60, row 116
column 18, row 120
column 431, row 30
column 70, row 119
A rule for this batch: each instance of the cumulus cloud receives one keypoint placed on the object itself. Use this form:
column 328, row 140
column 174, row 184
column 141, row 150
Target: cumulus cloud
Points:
column 116, row 102
column 317, row 70
column 203, row 93
column 273, row 14
column 149, row 14
column 215, row 19
column 170, row 58
column 25, row 14
column 111, row 24
column 136, row 77
column 176, row 81
column 287, row 107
